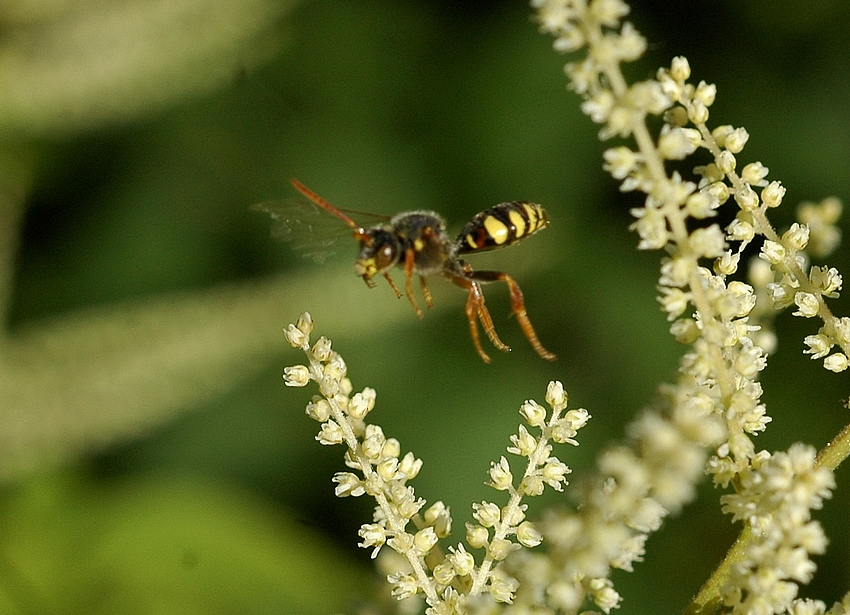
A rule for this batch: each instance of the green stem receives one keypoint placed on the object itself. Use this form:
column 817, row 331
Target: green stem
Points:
column 708, row 599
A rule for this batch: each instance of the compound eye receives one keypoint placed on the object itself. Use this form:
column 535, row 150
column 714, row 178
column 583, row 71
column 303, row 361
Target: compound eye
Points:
column 385, row 256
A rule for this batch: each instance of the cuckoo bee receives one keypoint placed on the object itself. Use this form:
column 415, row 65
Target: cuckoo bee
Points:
column 417, row 242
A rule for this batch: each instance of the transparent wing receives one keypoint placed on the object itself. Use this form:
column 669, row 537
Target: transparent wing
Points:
column 313, row 232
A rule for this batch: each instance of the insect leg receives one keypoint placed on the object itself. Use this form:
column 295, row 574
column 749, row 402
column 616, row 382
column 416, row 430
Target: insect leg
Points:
column 475, row 311
column 390, row 280
column 409, row 262
column 518, row 307
column 426, row 292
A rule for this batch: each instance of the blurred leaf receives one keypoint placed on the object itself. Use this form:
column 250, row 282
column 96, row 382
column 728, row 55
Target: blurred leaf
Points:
column 69, row 66
column 162, row 545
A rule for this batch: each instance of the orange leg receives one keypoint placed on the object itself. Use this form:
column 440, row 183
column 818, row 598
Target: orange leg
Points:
column 426, row 292
column 475, row 311
column 409, row 261
column 517, row 305
column 392, row 284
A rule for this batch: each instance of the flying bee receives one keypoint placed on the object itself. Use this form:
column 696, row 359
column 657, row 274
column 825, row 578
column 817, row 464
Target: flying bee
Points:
column 417, row 242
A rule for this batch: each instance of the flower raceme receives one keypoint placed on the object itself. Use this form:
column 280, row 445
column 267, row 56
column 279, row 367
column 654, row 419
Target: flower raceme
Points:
column 449, row 583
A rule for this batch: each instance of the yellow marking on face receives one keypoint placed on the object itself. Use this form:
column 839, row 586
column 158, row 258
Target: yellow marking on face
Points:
column 518, row 221
column 366, row 267
column 470, row 239
column 418, row 244
column 497, row 230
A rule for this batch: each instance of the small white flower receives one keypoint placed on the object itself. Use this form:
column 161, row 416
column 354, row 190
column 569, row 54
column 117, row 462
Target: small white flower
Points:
column 680, row 69
column 755, row 173
column 296, row 337
column 651, row 226
column 706, row 93
column 708, row 242
column 807, row 303
column 599, row 106
column 604, row 594
column 532, row 485
column 677, row 143
column 501, row 478
column 373, row 535
column 796, row 237
column 685, row 331
column 528, row 535
column 773, row 194
column 676, row 271
column 500, row 548
column 701, row 205
column 410, row 467
column 836, row 362
column 502, row 586
column 747, row 198
column 533, row 413
column 425, row 540
column 609, row 12
column 630, row 44
column 319, row 410
column 727, row 264
column 487, row 514
column 477, row 536
column 773, row 252
column 726, row 162
column 348, row 484
column 554, row 473
column 331, row 433
column 296, row 376
column 404, row 585
column 841, row 330
column 674, row 301
column 740, row 230
column 697, row 112
column 736, row 140
column 461, row 560
column 523, row 442
column 621, row 162
column 719, row 191
column 387, row 468
column 556, row 397
column 362, row 403
column 444, row 573
column 827, row 280
column 818, row 345
column 570, row 39
column 321, row 349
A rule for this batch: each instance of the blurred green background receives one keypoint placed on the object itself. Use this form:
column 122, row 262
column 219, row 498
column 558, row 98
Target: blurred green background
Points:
column 152, row 460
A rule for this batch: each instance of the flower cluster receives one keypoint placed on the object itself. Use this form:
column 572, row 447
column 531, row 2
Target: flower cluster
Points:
column 453, row 582
column 712, row 313
column 775, row 499
column 705, row 423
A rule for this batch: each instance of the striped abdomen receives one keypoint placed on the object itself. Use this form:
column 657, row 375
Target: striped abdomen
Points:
column 501, row 225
